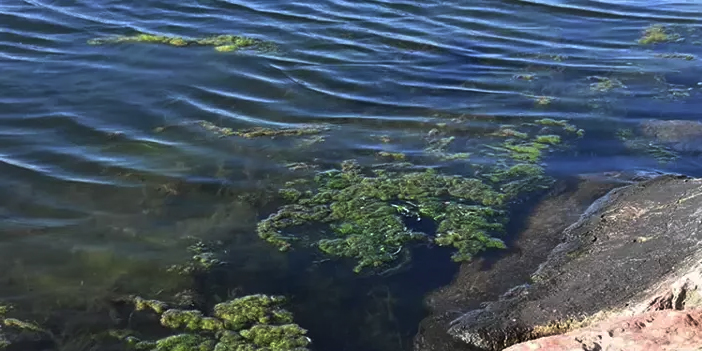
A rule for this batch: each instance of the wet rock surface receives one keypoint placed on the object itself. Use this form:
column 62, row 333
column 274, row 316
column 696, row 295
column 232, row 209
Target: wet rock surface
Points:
column 486, row 279
column 668, row 330
column 633, row 251
column 680, row 135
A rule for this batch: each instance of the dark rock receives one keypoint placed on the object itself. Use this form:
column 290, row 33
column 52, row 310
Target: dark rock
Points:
column 636, row 249
column 485, row 279
column 680, row 135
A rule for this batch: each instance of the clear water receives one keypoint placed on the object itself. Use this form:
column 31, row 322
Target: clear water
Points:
column 94, row 202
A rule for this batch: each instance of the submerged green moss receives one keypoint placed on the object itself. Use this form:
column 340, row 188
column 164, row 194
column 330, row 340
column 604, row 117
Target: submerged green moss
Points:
column 687, row 57
column 605, row 84
column 202, row 260
column 223, row 43
column 254, row 322
column 398, row 156
column 259, row 132
column 367, row 214
column 656, row 34
column 154, row 305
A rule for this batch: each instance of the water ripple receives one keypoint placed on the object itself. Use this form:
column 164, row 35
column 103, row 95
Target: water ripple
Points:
column 74, row 113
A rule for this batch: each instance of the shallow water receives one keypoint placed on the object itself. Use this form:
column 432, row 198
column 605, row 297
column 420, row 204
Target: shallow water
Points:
column 96, row 196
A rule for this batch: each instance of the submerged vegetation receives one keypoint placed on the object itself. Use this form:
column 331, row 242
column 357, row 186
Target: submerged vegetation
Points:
column 312, row 130
column 249, row 323
column 223, row 43
column 656, row 34
column 640, row 144
column 367, row 214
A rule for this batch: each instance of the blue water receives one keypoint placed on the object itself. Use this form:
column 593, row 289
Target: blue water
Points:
column 96, row 200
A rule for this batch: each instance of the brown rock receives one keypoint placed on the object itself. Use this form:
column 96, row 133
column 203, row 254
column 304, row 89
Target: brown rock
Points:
column 667, row 330
column 634, row 251
column 484, row 280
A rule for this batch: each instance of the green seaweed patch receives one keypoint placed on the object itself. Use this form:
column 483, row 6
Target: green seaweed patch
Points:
column 524, row 76
column 543, row 100
column 675, row 55
column 397, row 156
column 605, row 84
column 12, row 329
column 141, row 304
column 510, row 132
column 656, row 34
column 221, row 43
column 249, row 323
column 365, row 213
column 203, row 259
column 567, row 127
column 261, row 132
column 438, row 144
column 548, row 139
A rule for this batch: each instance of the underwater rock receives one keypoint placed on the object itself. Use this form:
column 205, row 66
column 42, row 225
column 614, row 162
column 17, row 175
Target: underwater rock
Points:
column 19, row 335
column 680, row 135
column 484, row 279
column 633, row 251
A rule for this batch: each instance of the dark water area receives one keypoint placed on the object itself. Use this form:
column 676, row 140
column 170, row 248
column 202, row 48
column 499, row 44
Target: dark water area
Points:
column 107, row 176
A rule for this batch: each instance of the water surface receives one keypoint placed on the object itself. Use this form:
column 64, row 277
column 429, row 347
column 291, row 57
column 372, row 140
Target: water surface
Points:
column 96, row 197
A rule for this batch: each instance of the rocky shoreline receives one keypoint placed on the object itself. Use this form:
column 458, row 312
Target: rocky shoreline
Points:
column 597, row 254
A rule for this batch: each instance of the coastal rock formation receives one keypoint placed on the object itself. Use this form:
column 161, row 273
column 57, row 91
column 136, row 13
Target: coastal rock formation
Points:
column 486, row 279
column 680, row 135
column 668, row 330
column 634, row 251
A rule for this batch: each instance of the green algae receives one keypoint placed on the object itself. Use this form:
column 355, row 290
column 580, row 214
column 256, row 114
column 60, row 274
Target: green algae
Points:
column 203, row 259
column 261, row 132
column 141, row 304
column 548, row 139
column 543, row 100
column 438, row 144
column 656, row 34
column 365, row 214
column 248, row 323
column 681, row 56
column 360, row 211
column 221, row 43
column 14, row 329
column 605, row 84
column 397, row 156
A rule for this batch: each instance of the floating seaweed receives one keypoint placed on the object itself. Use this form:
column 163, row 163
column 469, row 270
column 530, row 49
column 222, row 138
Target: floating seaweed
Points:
column 605, row 84
column 656, row 34
column 260, row 132
column 675, row 55
column 222, row 43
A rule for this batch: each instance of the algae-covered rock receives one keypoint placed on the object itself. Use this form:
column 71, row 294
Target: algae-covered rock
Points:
column 542, row 231
column 17, row 334
column 664, row 140
column 634, row 250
